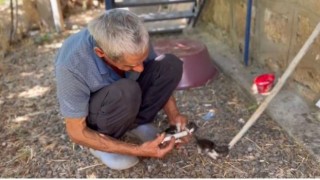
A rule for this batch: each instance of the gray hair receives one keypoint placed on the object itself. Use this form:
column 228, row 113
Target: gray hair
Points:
column 118, row 32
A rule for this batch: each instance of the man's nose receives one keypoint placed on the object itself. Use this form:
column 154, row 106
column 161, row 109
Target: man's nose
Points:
column 138, row 68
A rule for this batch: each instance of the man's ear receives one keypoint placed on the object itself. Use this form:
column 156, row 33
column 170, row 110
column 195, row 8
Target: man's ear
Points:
column 99, row 52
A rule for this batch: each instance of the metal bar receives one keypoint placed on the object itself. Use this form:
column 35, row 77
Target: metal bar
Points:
column 200, row 5
column 173, row 29
column 166, row 16
column 152, row 3
column 247, row 35
column 109, row 4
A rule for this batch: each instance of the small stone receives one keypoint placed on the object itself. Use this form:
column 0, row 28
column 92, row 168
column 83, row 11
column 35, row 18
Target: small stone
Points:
column 207, row 176
column 241, row 121
column 273, row 159
column 134, row 175
column 281, row 162
column 250, row 149
column 4, row 144
column 63, row 136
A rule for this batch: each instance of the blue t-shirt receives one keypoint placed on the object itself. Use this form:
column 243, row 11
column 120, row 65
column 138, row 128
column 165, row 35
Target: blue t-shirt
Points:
column 80, row 72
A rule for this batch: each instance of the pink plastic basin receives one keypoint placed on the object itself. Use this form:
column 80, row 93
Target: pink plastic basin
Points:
column 198, row 67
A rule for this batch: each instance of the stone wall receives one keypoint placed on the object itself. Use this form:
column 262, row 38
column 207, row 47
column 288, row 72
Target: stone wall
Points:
column 279, row 29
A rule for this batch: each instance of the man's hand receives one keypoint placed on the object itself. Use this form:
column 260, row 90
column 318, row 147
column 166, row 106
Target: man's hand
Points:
column 182, row 121
column 152, row 148
column 175, row 118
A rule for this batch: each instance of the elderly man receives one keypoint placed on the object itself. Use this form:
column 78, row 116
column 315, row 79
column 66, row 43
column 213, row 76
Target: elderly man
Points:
column 110, row 82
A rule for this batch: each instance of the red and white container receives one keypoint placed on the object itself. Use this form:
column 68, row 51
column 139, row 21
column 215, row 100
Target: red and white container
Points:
column 263, row 84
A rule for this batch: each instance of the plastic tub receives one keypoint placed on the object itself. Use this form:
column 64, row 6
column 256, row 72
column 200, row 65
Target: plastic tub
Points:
column 198, row 68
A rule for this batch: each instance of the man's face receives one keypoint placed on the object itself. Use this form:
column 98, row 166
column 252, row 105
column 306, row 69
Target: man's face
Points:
column 132, row 62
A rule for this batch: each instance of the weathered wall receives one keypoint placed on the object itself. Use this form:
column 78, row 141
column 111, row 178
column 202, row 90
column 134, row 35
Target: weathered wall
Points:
column 279, row 29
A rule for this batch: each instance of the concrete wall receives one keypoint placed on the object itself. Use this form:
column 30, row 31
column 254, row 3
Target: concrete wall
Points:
column 279, row 29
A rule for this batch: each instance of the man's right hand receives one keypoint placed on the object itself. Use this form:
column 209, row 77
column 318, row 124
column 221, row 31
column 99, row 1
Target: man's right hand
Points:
column 152, row 148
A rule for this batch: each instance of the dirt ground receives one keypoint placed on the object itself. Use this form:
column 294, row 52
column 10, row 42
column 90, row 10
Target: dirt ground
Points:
column 34, row 141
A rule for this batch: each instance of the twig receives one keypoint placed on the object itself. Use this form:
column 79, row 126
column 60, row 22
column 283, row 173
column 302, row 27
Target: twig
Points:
column 254, row 143
column 205, row 123
column 31, row 154
column 236, row 168
column 87, row 167
column 183, row 170
column 302, row 162
column 242, row 160
column 225, row 173
column 13, row 159
column 203, row 163
column 290, row 145
column 187, row 166
column 37, row 113
column 58, row 160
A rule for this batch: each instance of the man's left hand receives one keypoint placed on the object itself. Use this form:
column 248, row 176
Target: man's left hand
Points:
column 182, row 121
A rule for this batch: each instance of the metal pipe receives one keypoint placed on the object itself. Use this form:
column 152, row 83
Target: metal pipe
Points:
column 109, row 4
column 247, row 35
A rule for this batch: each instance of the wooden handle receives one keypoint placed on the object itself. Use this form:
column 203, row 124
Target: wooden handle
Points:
column 277, row 87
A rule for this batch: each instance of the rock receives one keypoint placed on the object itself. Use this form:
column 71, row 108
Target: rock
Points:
column 63, row 136
column 241, row 121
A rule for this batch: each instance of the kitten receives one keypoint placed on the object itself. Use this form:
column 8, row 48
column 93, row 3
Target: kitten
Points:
column 171, row 130
column 210, row 148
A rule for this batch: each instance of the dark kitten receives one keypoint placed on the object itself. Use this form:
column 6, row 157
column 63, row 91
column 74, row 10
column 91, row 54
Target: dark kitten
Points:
column 171, row 130
column 210, row 148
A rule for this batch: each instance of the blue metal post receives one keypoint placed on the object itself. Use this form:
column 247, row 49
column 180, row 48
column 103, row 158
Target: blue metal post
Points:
column 108, row 4
column 247, row 35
